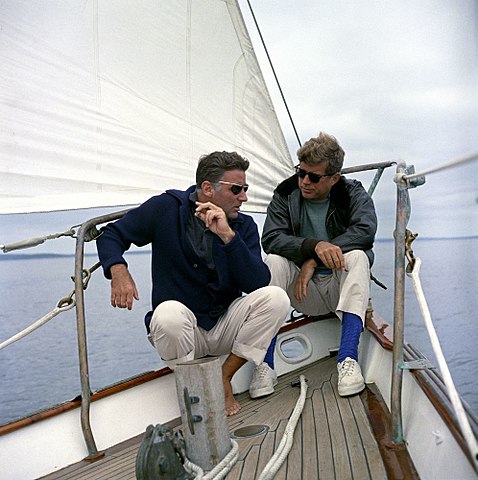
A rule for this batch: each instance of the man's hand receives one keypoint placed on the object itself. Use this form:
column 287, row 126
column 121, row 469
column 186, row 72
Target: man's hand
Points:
column 331, row 255
column 215, row 219
column 123, row 288
column 305, row 274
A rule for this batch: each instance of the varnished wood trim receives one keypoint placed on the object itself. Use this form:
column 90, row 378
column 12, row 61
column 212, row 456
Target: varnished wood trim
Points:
column 304, row 320
column 75, row 403
column 396, row 459
column 380, row 329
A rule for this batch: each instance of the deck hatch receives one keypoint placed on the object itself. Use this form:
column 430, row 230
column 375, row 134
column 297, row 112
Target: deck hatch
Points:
column 250, row 431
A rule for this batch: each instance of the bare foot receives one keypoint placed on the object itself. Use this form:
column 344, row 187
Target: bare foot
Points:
column 232, row 406
column 230, row 366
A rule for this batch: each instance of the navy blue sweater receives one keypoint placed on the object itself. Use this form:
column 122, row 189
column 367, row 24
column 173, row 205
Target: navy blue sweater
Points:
column 177, row 272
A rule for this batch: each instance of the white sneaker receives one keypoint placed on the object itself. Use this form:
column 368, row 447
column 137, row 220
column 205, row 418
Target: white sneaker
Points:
column 263, row 381
column 350, row 377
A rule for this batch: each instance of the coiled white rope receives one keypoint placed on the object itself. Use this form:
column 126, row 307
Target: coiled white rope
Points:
column 220, row 470
column 37, row 324
column 286, row 443
column 454, row 397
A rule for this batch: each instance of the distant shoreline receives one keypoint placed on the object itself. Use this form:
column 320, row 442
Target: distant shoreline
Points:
column 145, row 251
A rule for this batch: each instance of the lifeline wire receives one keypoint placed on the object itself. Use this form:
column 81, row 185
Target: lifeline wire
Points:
column 454, row 397
column 444, row 166
column 37, row 324
column 34, row 242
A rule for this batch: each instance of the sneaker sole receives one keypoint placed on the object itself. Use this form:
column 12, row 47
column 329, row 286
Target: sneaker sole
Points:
column 351, row 390
column 263, row 392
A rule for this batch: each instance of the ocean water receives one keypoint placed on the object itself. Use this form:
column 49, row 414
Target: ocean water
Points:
column 42, row 369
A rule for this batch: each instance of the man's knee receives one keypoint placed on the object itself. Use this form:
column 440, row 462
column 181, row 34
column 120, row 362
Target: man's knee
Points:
column 356, row 258
column 275, row 262
column 279, row 300
column 277, row 304
column 280, row 269
column 169, row 318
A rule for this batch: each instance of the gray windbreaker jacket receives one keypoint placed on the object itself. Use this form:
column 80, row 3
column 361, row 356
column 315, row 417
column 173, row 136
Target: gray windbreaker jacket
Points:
column 351, row 221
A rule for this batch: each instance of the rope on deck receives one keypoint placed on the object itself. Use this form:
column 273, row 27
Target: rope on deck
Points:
column 220, row 470
column 285, row 445
column 454, row 397
column 223, row 468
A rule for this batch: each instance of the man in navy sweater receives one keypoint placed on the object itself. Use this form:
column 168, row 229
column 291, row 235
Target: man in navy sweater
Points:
column 205, row 255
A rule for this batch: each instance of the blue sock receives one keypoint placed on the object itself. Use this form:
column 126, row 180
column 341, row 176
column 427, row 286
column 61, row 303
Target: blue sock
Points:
column 269, row 358
column 351, row 329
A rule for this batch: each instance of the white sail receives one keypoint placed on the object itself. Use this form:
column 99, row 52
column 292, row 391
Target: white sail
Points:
column 108, row 103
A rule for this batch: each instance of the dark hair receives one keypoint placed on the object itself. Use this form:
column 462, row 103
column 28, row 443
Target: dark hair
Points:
column 211, row 167
column 324, row 148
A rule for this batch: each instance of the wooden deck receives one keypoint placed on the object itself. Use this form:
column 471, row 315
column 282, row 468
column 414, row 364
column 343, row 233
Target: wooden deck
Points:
column 333, row 439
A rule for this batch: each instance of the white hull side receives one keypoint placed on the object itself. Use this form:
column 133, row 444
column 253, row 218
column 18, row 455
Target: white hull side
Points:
column 124, row 415
column 431, row 445
column 57, row 442
column 116, row 418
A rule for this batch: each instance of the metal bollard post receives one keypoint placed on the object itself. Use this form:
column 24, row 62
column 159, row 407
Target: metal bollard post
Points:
column 202, row 405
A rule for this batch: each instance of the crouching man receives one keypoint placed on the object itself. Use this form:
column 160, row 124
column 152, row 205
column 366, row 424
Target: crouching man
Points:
column 205, row 254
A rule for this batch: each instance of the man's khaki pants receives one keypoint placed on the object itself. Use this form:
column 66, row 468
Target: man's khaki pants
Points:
column 340, row 291
column 245, row 329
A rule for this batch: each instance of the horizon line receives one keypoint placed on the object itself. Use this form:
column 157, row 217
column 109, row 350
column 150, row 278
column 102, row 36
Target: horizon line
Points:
column 142, row 251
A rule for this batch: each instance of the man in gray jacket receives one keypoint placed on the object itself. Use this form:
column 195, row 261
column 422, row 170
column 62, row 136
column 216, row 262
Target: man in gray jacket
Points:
column 318, row 235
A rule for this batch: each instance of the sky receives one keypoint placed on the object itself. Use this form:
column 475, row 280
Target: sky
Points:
column 393, row 81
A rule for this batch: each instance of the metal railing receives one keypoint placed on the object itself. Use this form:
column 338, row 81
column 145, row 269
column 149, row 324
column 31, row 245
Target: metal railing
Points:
column 402, row 216
column 87, row 232
column 405, row 179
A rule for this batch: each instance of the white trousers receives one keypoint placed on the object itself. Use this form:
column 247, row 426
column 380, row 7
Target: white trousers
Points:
column 245, row 329
column 341, row 291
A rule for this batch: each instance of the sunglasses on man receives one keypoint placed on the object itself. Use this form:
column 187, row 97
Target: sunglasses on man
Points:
column 236, row 188
column 313, row 177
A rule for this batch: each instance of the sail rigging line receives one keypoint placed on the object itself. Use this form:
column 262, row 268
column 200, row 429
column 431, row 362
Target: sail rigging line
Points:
column 46, row 318
column 470, row 439
column 63, row 305
column 35, row 241
column 453, row 163
column 274, row 73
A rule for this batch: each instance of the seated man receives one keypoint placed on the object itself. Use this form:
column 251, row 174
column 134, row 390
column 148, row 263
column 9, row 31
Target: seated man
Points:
column 318, row 234
column 205, row 254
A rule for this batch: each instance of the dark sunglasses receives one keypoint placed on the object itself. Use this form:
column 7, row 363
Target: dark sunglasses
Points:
column 236, row 188
column 313, row 177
